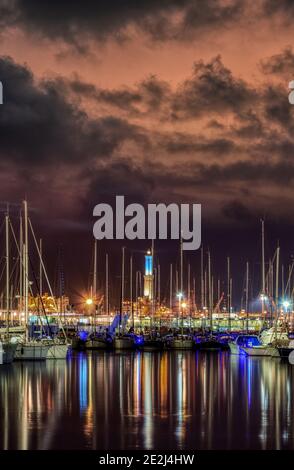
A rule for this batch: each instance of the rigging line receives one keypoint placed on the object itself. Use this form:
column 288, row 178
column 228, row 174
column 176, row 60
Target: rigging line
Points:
column 46, row 277
column 40, row 298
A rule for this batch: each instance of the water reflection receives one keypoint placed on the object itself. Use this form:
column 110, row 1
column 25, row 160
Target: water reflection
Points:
column 144, row 400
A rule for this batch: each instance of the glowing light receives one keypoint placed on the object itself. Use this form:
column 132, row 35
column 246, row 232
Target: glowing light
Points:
column 89, row 301
column 184, row 305
column 180, row 295
column 286, row 304
column 263, row 297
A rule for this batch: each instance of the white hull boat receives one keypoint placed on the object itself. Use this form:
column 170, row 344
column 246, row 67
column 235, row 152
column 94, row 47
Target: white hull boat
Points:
column 58, row 351
column 180, row 343
column 7, row 352
column 250, row 345
column 31, row 351
column 123, row 342
column 262, row 351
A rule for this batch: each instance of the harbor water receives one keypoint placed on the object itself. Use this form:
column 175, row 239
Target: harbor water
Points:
column 138, row 400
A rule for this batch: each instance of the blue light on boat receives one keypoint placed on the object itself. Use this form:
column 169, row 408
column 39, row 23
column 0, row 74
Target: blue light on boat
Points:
column 83, row 335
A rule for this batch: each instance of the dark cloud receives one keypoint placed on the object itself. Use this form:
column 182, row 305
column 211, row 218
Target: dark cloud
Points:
column 212, row 89
column 78, row 22
column 280, row 64
column 38, row 125
column 146, row 97
column 183, row 143
column 282, row 6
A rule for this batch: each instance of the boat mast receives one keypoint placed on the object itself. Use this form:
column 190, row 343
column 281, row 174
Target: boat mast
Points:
column 41, row 269
column 246, row 296
column 106, row 285
column 229, row 290
column 131, row 290
column 122, row 284
column 277, row 290
column 20, row 305
column 262, row 270
column 152, row 284
column 202, row 281
column 209, row 293
column 26, row 269
column 7, row 271
column 171, row 287
column 158, row 281
column 95, row 272
column 189, row 291
column 181, row 281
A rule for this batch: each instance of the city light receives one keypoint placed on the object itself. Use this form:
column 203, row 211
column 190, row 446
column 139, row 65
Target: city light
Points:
column 286, row 304
column 184, row 305
column 89, row 301
column 180, row 295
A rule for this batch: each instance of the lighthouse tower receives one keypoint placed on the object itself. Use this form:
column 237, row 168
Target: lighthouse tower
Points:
column 148, row 277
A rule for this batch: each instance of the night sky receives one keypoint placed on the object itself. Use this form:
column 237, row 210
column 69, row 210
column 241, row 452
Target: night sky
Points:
column 160, row 101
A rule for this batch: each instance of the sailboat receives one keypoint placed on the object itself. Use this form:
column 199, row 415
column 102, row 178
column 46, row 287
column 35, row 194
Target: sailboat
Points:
column 210, row 343
column 181, row 341
column 7, row 349
column 123, row 340
column 28, row 349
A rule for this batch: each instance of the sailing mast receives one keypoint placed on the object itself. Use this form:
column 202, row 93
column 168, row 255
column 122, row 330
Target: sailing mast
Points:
column 246, row 297
column 262, row 270
column 171, row 287
column 20, row 305
column 41, row 269
column 106, row 285
column 122, row 285
column 26, row 269
column 131, row 290
column 229, row 290
column 209, row 293
column 202, row 281
column 7, row 272
column 181, row 282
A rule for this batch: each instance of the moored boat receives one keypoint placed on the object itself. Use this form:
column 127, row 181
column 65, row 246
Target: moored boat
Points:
column 151, row 344
column 124, row 342
column 285, row 351
column 58, row 351
column 180, row 342
column 99, row 342
column 31, row 351
column 7, row 352
column 250, row 345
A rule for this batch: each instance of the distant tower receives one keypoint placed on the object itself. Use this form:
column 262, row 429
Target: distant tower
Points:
column 148, row 277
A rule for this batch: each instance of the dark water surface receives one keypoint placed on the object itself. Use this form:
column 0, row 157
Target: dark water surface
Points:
column 170, row 400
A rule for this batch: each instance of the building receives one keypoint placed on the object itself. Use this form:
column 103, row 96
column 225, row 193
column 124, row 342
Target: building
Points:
column 148, row 276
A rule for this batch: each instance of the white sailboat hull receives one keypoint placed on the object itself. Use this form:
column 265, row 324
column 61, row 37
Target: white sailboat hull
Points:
column 260, row 351
column 58, row 351
column 31, row 351
column 123, row 343
column 7, row 352
column 254, row 351
column 181, row 343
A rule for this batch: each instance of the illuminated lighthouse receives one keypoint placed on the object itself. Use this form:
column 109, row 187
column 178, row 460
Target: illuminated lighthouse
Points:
column 148, row 277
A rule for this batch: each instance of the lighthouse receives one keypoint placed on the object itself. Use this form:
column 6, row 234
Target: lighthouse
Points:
column 148, row 276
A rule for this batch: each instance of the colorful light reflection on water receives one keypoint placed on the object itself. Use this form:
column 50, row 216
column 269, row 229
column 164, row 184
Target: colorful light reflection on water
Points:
column 134, row 400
